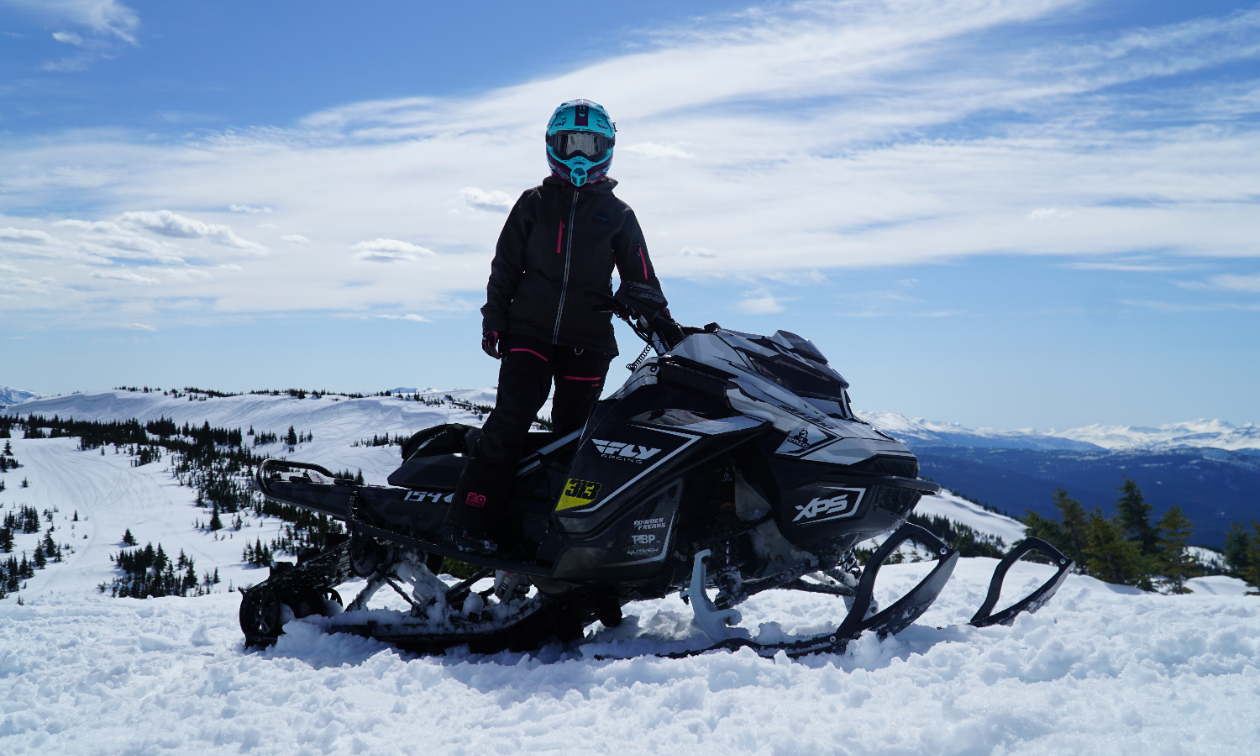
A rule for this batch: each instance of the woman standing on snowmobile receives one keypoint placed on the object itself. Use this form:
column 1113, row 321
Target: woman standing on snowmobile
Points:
column 561, row 240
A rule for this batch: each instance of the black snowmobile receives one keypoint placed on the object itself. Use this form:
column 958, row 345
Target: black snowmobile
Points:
column 728, row 462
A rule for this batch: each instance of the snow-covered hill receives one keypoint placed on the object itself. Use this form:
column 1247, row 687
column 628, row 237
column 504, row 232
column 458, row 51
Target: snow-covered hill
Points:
column 336, row 422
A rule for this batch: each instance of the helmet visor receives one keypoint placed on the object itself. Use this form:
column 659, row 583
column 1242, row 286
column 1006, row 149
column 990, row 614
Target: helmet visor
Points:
column 570, row 144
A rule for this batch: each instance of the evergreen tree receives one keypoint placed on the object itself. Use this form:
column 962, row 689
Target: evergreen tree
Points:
column 215, row 522
column 8, row 449
column 1075, row 525
column 1175, row 531
column 1236, row 541
column 128, row 539
column 1112, row 557
column 359, row 478
column 1251, row 573
column 291, row 439
column 25, row 483
column 1046, row 529
column 40, row 560
column 1135, row 518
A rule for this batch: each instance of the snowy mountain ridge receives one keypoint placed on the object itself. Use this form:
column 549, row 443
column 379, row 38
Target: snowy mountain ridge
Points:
column 113, row 405
column 1216, row 434
column 10, row 396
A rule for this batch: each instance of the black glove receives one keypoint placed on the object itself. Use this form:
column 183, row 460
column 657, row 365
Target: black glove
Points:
column 490, row 344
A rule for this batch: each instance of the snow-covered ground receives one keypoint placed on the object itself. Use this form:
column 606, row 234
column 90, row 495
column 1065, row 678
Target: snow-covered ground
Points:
column 1102, row 669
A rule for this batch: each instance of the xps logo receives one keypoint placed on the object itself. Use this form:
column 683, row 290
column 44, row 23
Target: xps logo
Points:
column 842, row 503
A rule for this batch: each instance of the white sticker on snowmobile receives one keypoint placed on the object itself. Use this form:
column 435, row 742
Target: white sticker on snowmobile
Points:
column 642, row 540
column 844, row 503
column 623, row 451
column 652, row 523
column 430, row 496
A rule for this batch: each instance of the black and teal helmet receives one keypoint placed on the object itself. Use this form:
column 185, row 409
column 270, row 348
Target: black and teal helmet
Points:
column 580, row 138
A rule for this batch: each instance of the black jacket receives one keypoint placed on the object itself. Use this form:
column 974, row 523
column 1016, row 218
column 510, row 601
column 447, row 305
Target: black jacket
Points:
column 558, row 243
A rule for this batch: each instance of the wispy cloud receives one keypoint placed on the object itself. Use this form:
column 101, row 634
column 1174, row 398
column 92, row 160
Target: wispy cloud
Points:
column 107, row 18
column 166, row 223
column 1238, row 283
column 124, row 275
column 760, row 302
column 409, row 316
column 140, row 327
column 793, row 140
column 494, row 201
column 388, row 251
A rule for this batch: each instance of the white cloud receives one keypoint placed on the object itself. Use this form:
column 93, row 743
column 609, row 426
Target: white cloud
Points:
column 409, row 316
column 654, row 150
column 388, row 250
column 249, row 209
column 24, row 236
column 1238, row 283
column 760, row 302
column 123, row 275
column 496, row 202
column 140, row 327
column 166, row 223
column 9, row 268
column 27, row 285
column 1048, row 213
column 104, row 17
column 820, row 136
column 70, row 38
column 295, row 239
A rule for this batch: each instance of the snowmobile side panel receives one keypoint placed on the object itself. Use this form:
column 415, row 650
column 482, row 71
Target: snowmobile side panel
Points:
column 633, row 547
column 619, row 463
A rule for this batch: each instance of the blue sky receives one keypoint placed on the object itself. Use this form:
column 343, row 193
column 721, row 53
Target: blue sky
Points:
column 1008, row 213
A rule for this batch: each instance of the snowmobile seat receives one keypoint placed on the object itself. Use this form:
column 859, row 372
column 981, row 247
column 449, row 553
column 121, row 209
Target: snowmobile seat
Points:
column 435, row 457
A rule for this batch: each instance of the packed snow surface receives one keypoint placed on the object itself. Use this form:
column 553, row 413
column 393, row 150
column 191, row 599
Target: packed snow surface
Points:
column 1101, row 669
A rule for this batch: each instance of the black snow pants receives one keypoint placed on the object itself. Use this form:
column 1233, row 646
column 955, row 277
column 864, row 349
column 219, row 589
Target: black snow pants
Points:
column 526, row 372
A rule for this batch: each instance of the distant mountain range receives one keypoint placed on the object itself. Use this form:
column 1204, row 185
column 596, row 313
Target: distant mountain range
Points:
column 11, row 396
column 1214, row 434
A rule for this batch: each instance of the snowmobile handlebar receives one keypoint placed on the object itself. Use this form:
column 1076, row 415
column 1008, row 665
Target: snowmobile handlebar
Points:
column 645, row 310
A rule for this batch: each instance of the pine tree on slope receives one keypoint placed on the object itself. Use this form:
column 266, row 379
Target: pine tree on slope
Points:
column 1178, row 563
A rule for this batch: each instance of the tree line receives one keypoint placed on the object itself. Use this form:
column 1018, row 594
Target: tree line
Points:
column 1129, row 549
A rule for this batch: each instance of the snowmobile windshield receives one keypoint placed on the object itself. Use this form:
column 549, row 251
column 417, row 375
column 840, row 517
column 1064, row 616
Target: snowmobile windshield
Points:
column 569, row 144
column 818, row 384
